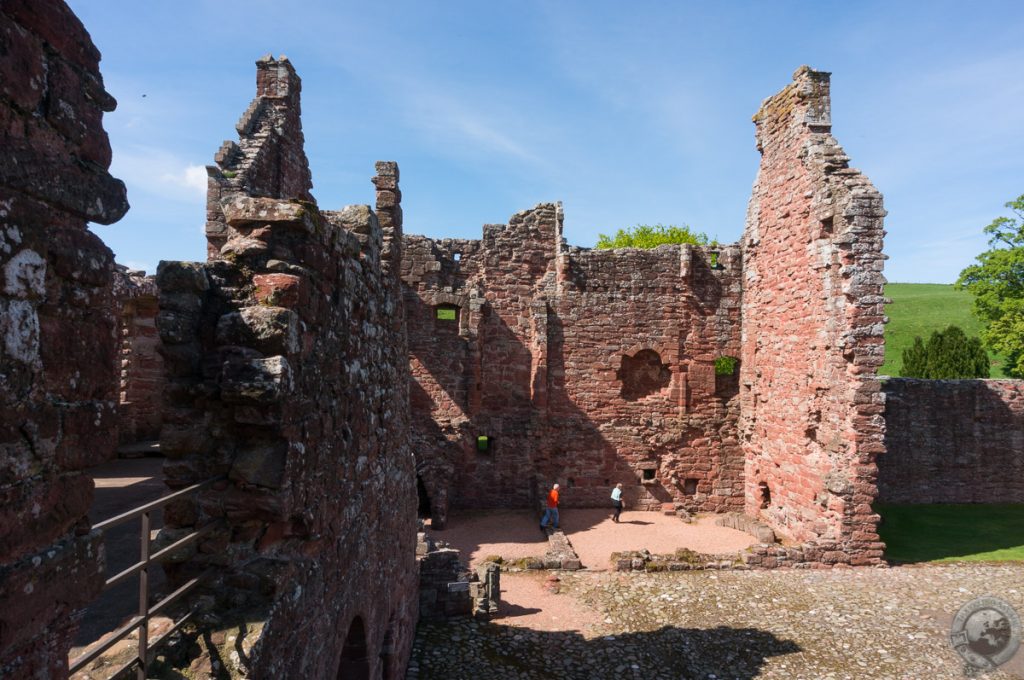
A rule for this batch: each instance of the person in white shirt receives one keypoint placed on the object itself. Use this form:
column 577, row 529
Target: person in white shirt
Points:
column 617, row 502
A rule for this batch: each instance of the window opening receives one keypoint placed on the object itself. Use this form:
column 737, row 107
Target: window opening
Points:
column 643, row 374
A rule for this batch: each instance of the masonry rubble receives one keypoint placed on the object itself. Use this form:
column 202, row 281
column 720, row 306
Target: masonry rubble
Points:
column 560, row 553
column 449, row 589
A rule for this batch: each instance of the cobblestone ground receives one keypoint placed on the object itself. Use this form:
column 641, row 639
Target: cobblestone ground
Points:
column 854, row 623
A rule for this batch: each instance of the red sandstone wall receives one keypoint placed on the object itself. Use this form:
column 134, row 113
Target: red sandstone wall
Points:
column 617, row 304
column 811, row 412
column 287, row 367
column 953, row 441
column 57, row 353
column 535, row 360
column 141, row 368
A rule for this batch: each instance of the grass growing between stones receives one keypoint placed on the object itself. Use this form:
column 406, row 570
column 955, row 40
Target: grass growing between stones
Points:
column 919, row 309
column 953, row 532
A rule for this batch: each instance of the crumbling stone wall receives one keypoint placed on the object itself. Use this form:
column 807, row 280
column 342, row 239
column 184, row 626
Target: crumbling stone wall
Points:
column 811, row 407
column 57, row 352
column 579, row 366
column 141, row 368
column 953, row 441
column 288, row 373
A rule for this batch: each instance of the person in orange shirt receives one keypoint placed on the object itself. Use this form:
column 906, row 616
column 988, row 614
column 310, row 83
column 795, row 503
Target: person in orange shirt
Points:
column 551, row 511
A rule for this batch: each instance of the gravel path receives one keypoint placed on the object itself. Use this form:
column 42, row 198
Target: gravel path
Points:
column 513, row 534
column 792, row 625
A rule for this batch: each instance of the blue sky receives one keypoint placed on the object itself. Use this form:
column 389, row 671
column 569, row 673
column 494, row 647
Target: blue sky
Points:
column 627, row 112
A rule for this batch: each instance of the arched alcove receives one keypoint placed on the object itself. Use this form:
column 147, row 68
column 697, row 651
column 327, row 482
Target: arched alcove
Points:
column 355, row 663
column 643, row 374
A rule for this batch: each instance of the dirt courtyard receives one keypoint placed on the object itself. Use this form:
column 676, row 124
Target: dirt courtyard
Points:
column 514, row 534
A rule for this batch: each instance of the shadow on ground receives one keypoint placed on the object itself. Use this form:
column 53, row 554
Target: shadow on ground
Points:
column 121, row 485
column 952, row 532
column 467, row 649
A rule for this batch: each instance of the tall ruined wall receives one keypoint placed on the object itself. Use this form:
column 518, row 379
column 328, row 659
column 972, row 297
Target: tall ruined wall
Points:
column 141, row 368
column 633, row 336
column 57, row 354
column 583, row 367
column 811, row 407
column 288, row 374
column 953, row 441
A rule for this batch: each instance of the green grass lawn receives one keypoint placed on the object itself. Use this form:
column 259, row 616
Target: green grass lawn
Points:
column 919, row 309
column 952, row 533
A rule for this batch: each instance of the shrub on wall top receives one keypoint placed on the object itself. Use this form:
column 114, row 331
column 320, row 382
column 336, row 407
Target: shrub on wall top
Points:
column 648, row 236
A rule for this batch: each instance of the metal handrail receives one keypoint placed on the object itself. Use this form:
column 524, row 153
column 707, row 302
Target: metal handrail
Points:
column 140, row 621
column 153, row 505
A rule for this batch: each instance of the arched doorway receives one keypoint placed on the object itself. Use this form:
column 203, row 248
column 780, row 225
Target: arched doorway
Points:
column 355, row 664
column 423, row 511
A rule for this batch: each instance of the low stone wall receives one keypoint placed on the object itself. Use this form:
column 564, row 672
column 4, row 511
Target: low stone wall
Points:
column 760, row 556
column 747, row 524
column 448, row 589
column 953, row 441
column 444, row 584
column 560, row 553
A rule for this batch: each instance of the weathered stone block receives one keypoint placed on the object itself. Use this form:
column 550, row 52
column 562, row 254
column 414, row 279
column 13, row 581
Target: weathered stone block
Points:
column 260, row 463
column 271, row 330
column 255, row 380
column 243, row 211
column 181, row 277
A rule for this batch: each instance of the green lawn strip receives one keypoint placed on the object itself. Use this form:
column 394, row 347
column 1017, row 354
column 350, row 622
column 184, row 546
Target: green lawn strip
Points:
column 953, row 533
column 919, row 309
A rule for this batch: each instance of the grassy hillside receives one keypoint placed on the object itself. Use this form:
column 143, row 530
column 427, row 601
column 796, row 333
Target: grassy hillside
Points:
column 919, row 309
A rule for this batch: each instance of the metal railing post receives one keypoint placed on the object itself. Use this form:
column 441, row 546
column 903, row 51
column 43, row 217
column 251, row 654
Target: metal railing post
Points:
column 144, row 598
column 141, row 620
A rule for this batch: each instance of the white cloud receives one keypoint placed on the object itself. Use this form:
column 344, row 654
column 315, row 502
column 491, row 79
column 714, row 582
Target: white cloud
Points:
column 160, row 174
column 191, row 177
column 448, row 118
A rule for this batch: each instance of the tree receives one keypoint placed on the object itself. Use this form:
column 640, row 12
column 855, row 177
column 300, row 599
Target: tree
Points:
column 647, row 236
column 948, row 354
column 997, row 284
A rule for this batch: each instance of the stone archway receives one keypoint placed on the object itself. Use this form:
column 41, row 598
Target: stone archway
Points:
column 355, row 661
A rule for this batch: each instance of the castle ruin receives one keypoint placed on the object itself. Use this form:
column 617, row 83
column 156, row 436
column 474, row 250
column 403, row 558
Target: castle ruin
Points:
column 321, row 366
